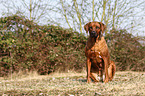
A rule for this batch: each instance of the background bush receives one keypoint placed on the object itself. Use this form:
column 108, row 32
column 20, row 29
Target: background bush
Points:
column 42, row 48
column 28, row 46
column 126, row 50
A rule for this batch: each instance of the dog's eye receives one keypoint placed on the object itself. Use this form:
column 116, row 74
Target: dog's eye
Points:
column 97, row 27
column 90, row 28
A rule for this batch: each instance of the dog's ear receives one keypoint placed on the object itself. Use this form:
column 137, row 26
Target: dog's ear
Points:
column 102, row 26
column 86, row 27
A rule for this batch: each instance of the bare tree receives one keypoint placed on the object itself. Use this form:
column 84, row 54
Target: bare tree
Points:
column 125, row 14
column 64, row 13
column 114, row 13
column 78, row 14
column 93, row 17
column 33, row 9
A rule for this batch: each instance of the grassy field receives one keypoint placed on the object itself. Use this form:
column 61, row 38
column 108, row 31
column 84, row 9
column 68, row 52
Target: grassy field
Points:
column 71, row 84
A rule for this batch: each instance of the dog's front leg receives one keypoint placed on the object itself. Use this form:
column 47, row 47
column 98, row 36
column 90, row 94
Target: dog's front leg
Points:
column 88, row 70
column 106, row 69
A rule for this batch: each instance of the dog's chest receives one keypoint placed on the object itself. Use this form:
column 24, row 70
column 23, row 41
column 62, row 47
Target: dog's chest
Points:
column 96, row 50
column 95, row 53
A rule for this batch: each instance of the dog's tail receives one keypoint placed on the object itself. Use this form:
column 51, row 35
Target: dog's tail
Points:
column 111, row 70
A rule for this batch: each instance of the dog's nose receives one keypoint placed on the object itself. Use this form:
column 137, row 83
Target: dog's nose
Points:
column 93, row 32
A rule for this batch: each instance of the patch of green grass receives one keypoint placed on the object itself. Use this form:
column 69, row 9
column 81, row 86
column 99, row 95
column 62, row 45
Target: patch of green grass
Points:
column 124, row 83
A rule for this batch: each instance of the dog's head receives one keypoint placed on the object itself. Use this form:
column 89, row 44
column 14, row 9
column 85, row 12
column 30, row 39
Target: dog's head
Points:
column 95, row 28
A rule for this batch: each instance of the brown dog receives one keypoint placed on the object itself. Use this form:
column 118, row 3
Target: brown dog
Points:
column 96, row 51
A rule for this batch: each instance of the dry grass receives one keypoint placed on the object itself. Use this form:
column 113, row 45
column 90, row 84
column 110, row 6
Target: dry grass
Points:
column 72, row 84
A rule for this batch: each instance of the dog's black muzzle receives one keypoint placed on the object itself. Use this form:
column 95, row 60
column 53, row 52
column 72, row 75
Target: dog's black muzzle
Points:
column 94, row 34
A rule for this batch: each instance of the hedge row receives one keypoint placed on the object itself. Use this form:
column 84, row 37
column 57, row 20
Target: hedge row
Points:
column 28, row 46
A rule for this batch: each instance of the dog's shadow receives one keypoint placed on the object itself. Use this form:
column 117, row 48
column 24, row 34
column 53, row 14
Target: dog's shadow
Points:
column 79, row 79
column 82, row 80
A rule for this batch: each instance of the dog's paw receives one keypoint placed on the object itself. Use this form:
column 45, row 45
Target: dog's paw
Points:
column 106, row 81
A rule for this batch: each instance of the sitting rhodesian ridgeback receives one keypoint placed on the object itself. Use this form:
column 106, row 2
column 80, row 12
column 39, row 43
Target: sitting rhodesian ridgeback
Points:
column 98, row 57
